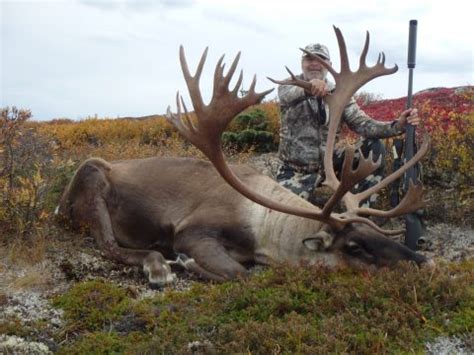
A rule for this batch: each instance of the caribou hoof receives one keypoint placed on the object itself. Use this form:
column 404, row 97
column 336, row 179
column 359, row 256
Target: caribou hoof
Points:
column 158, row 282
column 158, row 271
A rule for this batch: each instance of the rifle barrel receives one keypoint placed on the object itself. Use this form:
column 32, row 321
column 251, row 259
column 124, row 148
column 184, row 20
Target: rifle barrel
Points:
column 410, row 133
column 412, row 44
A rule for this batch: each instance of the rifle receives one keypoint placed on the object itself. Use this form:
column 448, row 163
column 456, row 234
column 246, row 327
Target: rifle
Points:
column 413, row 223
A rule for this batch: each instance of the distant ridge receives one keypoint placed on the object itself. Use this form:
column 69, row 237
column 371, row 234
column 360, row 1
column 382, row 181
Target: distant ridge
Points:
column 141, row 117
column 438, row 95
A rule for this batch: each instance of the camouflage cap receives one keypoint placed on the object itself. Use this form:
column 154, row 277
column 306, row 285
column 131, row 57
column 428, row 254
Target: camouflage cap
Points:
column 317, row 49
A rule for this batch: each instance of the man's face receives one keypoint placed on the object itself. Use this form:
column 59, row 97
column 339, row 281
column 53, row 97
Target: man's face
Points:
column 312, row 69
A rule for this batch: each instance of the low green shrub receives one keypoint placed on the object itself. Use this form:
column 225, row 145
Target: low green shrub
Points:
column 250, row 131
column 93, row 305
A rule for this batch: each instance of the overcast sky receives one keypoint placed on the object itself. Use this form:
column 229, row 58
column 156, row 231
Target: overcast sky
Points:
column 78, row 58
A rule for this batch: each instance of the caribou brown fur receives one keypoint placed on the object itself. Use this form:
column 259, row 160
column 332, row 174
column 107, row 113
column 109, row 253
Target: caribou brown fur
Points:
column 145, row 211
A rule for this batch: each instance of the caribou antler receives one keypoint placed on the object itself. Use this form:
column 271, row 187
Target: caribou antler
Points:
column 347, row 83
column 212, row 119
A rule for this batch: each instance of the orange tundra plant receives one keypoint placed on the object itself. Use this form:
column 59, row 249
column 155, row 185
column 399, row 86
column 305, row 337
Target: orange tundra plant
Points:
column 24, row 158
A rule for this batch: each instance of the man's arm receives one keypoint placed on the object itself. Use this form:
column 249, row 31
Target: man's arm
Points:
column 290, row 94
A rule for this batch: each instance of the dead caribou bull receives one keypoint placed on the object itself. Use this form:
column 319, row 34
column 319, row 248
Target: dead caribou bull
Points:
column 218, row 220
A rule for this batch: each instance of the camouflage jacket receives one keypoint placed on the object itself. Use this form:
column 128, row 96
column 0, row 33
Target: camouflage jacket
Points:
column 303, row 131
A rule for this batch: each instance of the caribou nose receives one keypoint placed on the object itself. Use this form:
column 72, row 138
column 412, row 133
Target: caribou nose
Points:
column 422, row 260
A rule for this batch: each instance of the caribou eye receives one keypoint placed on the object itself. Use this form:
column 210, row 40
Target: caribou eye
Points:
column 353, row 248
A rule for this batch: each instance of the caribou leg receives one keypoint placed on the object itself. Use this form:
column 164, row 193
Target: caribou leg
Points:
column 209, row 257
column 153, row 262
column 84, row 204
column 191, row 265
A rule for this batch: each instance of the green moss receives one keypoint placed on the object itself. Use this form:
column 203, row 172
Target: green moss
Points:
column 104, row 343
column 298, row 310
column 93, row 305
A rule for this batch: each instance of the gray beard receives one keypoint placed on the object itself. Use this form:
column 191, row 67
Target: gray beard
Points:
column 321, row 75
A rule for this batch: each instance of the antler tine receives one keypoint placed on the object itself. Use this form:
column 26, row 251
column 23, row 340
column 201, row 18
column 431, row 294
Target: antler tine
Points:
column 239, row 82
column 183, row 123
column 231, row 71
column 221, row 81
column 218, row 75
column 396, row 174
column 189, row 122
column 412, row 201
column 193, row 81
column 339, row 188
column 252, row 84
column 342, row 50
column 293, row 81
column 350, row 177
column 365, row 50
column 347, row 220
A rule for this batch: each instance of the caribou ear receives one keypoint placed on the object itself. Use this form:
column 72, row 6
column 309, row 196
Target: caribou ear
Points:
column 320, row 242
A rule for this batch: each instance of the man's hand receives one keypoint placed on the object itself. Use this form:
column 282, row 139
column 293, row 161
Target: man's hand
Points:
column 409, row 116
column 319, row 88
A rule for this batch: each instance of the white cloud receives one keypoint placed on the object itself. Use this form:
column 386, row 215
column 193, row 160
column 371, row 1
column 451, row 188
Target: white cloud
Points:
column 136, row 5
column 79, row 58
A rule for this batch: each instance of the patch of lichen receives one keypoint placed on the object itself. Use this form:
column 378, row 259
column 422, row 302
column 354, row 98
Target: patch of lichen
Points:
column 286, row 309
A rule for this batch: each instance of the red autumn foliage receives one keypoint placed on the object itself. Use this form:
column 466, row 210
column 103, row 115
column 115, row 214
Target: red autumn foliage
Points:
column 441, row 103
column 447, row 115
